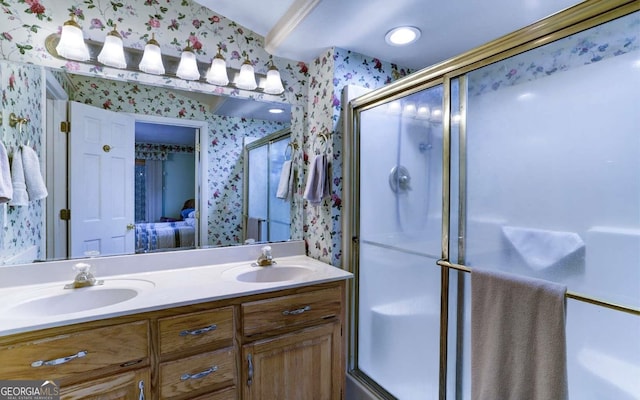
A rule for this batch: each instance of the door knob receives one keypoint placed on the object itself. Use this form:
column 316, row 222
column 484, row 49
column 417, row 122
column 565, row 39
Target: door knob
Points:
column 130, row 227
column 106, row 148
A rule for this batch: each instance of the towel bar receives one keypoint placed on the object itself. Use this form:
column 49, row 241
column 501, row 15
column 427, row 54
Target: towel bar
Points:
column 570, row 295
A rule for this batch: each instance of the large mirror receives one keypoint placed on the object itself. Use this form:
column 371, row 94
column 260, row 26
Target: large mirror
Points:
column 187, row 169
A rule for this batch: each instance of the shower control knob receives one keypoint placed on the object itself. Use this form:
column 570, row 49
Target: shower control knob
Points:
column 399, row 179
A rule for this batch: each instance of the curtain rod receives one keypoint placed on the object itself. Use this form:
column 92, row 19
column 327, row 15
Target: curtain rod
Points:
column 570, row 295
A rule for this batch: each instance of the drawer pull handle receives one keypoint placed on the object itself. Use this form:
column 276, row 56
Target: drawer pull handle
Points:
column 250, row 374
column 296, row 312
column 200, row 331
column 59, row 361
column 186, row 377
column 141, row 387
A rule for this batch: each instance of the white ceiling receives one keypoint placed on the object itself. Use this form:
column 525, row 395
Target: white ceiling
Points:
column 303, row 29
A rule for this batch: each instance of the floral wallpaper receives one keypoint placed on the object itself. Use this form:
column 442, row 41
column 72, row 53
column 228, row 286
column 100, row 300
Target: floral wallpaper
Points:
column 22, row 227
column 225, row 144
column 612, row 39
column 157, row 151
column 27, row 24
column 329, row 74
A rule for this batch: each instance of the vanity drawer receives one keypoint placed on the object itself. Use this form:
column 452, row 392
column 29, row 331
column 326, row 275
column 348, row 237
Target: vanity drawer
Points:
column 224, row 394
column 215, row 368
column 196, row 329
column 63, row 356
column 289, row 311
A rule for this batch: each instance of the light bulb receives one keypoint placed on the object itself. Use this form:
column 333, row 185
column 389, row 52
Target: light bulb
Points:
column 217, row 74
column 247, row 79
column 188, row 67
column 112, row 53
column 71, row 43
column 274, row 83
column 151, row 62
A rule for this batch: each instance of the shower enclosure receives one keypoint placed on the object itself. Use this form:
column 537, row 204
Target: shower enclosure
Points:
column 528, row 162
column 266, row 217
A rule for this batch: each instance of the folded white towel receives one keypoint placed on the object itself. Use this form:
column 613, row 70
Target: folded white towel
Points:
column 6, row 188
column 20, row 196
column 518, row 338
column 36, row 187
column 541, row 248
column 318, row 180
column 286, row 180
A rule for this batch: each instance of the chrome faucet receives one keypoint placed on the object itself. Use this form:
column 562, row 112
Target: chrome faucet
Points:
column 84, row 277
column 266, row 258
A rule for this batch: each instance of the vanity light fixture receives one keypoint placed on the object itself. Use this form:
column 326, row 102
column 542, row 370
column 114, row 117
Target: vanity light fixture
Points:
column 151, row 62
column 247, row 78
column 112, row 53
column 402, row 35
column 188, row 67
column 217, row 74
column 274, row 83
column 72, row 45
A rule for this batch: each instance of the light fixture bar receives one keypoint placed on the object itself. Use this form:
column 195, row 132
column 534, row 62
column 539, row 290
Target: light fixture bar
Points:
column 134, row 56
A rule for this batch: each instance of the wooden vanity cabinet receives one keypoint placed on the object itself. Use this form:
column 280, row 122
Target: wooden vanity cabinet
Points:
column 124, row 386
column 197, row 354
column 293, row 346
column 281, row 345
column 84, row 363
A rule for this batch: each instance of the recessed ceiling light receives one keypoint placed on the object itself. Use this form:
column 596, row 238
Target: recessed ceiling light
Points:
column 276, row 110
column 402, row 35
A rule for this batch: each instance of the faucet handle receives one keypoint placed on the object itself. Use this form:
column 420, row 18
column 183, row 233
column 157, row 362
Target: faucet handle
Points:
column 266, row 251
column 82, row 268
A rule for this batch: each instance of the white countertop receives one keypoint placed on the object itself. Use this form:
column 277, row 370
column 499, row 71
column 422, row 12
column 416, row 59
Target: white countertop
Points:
column 164, row 288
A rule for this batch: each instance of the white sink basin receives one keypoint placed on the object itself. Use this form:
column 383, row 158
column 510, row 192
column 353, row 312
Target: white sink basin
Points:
column 55, row 300
column 268, row 274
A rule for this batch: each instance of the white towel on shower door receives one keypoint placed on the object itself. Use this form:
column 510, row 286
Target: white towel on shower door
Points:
column 518, row 341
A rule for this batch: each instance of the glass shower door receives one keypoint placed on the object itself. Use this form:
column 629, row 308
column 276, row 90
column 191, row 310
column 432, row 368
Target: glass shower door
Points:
column 398, row 322
column 268, row 217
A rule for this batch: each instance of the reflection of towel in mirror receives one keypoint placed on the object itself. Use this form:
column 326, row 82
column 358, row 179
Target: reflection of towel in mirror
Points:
column 6, row 188
column 286, row 181
column 518, row 338
column 33, row 178
column 318, row 180
column 20, row 196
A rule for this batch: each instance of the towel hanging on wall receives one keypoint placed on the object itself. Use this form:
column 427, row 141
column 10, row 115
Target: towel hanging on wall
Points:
column 318, row 180
column 20, row 196
column 6, row 188
column 36, row 188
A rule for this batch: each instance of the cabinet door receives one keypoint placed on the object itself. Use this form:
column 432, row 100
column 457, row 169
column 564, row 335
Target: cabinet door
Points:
column 126, row 386
column 306, row 364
